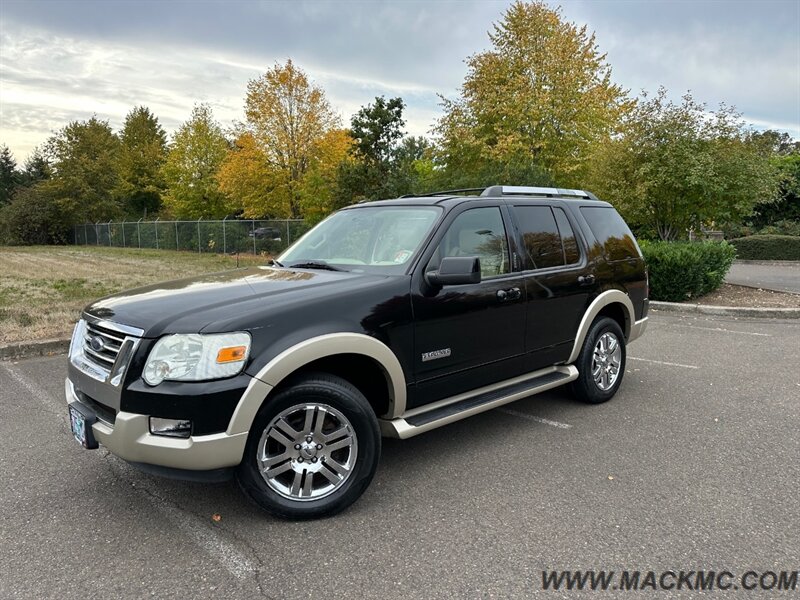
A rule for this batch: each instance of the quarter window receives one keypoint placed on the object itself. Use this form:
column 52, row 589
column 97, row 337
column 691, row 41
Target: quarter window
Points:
column 568, row 239
column 611, row 232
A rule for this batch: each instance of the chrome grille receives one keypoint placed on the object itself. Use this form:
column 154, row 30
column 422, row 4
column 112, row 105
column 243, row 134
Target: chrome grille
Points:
column 102, row 345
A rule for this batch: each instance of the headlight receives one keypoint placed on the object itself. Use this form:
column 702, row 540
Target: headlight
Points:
column 76, row 345
column 196, row 357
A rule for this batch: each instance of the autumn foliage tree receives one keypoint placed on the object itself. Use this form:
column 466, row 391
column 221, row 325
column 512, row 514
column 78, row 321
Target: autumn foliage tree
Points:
column 532, row 106
column 286, row 120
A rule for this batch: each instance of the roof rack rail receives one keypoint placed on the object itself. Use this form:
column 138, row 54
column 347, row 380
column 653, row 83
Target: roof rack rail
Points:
column 511, row 190
column 522, row 190
column 444, row 193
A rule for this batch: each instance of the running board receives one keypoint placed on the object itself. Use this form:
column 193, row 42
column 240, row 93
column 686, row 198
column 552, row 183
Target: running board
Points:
column 449, row 410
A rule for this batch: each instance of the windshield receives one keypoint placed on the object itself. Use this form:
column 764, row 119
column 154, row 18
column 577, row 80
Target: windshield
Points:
column 380, row 239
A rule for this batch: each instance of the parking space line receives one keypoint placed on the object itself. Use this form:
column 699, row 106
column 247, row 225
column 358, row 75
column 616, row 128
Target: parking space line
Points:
column 661, row 362
column 234, row 561
column 516, row 413
column 721, row 329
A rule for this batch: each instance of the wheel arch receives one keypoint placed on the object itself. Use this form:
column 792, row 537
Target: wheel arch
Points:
column 318, row 351
column 612, row 303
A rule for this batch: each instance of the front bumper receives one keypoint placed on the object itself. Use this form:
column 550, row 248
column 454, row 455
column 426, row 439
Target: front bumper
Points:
column 130, row 439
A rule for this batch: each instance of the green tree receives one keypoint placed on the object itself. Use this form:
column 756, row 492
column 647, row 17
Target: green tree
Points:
column 677, row 166
column 37, row 168
column 383, row 163
column 532, row 106
column 143, row 150
column 9, row 176
column 787, row 204
column 376, row 130
column 190, row 171
column 777, row 142
column 287, row 117
column 84, row 157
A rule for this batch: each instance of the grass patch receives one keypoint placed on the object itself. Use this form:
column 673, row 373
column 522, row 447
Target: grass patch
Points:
column 44, row 288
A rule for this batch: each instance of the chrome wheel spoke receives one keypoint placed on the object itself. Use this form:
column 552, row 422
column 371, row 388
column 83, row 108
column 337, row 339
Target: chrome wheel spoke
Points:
column 343, row 443
column 287, row 429
column 307, row 484
column 311, row 412
column 298, row 478
column 278, row 470
column 338, row 468
column 330, row 475
column 279, row 437
column 270, row 462
column 321, row 414
column 334, row 435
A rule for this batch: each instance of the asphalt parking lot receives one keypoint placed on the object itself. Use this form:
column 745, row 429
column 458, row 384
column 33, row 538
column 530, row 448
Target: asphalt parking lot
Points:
column 694, row 465
column 774, row 276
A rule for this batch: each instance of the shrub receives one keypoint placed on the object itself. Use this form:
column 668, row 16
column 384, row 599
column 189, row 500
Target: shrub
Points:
column 683, row 270
column 768, row 247
column 782, row 227
column 32, row 218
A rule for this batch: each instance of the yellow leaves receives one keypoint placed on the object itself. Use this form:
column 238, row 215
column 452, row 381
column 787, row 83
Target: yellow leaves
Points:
column 287, row 118
column 251, row 182
column 319, row 182
column 544, row 88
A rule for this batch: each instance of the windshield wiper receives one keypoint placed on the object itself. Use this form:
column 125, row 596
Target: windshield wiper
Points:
column 275, row 262
column 315, row 264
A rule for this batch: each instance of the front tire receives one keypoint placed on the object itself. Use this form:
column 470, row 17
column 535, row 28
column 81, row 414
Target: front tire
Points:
column 312, row 450
column 601, row 363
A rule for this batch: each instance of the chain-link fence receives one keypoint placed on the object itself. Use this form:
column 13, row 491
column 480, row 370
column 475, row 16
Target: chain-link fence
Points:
column 227, row 236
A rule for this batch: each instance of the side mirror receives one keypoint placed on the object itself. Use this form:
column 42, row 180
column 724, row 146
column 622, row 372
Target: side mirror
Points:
column 456, row 270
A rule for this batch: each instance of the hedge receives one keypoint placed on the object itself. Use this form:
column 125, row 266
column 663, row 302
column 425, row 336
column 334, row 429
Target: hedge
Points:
column 683, row 270
column 768, row 247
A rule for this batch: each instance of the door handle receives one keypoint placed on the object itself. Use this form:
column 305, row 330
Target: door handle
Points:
column 509, row 294
column 586, row 279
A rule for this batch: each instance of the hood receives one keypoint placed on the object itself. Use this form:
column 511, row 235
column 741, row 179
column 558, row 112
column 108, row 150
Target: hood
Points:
column 188, row 305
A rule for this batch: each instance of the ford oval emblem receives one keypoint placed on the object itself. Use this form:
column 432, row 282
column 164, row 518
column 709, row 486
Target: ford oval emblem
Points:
column 97, row 343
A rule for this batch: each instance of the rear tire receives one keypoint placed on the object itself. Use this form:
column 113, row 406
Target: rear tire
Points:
column 601, row 363
column 312, row 450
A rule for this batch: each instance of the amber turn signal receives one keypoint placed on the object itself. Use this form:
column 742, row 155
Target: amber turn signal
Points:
column 231, row 354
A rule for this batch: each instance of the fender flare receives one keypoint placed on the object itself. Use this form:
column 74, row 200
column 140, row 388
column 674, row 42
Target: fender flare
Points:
column 604, row 299
column 299, row 355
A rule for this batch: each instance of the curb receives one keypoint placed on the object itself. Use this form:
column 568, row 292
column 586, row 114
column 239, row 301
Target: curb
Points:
column 770, row 263
column 17, row 350
column 730, row 311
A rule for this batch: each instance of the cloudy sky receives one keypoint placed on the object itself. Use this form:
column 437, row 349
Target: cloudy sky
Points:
column 62, row 60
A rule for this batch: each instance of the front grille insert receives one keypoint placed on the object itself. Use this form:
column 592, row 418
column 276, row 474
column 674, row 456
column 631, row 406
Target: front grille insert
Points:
column 102, row 349
column 102, row 345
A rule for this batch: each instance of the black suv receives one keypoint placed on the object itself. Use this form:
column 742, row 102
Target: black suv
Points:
column 388, row 318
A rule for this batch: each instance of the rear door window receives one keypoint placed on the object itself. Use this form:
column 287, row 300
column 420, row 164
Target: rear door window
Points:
column 611, row 232
column 541, row 238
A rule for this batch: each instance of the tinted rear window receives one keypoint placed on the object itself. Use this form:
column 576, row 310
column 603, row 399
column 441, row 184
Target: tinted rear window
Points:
column 611, row 231
column 540, row 236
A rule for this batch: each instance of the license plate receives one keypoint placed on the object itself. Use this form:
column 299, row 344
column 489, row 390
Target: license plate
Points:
column 80, row 421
